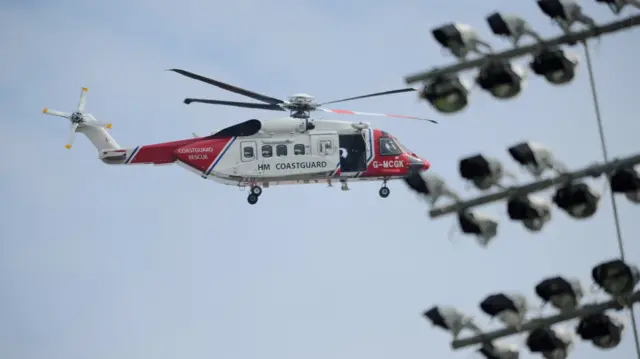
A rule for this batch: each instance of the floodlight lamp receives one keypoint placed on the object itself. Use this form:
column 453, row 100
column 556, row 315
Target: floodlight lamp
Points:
column 532, row 211
column 480, row 225
column 511, row 26
column 604, row 331
column 447, row 94
column 616, row 6
column 552, row 343
column 563, row 294
column 535, row 158
column 510, row 309
column 565, row 13
column 616, row 277
column 557, row 66
column 499, row 351
column 460, row 39
column 627, row 181
column 577, row 199
column 502, row 79
column 450, row 319
column 429, row 185
column 484, row 172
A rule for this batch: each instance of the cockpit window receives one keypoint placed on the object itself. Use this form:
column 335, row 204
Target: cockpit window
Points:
column 389, row 147
column 403, row 148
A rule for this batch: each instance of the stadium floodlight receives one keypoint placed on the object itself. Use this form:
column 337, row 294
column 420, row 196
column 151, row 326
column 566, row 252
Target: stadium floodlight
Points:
column 430, row 185
column 627, row 181
column 616, row 277
column 563, row 294
column 510, row 309
column 484, row 172
column 499, row 351
column 450, row 319
column 556, row 65
column 460, row 39
column 617, row 5
column 484, row 227
column 552, row 343
column 565, row 13
column 501, row 79
column 604, row 331
column 511, row 26
column 447, row 93
column 532, row 211
column 535, row 158
column 577, row 199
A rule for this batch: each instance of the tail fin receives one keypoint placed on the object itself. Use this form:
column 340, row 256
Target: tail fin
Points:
column 86, row 124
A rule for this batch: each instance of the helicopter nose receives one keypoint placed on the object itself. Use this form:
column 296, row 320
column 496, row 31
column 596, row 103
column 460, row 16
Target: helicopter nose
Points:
column 418, row 164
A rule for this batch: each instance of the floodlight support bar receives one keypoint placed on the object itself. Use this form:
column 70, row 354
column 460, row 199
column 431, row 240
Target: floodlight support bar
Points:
column 593, row 171
column 570, row 38
column 543, row 322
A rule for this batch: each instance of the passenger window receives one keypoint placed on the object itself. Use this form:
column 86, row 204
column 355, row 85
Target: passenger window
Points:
column 388, row 147
column 248, row 152
column 267, row 151
column 325, row 147
column 298, row 150
column 281, row 150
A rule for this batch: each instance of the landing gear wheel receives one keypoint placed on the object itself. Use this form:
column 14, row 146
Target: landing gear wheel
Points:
column 256, row 191
column 384, row 192
column 252, row 199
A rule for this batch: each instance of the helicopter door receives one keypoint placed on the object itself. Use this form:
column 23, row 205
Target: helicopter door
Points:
column 353, row 153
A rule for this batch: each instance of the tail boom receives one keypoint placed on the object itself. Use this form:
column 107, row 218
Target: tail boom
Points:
column 157, row 154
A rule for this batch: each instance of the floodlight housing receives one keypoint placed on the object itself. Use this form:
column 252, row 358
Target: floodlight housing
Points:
column 430, row 185
column 616, row 277
column 498, row 351
column 565, row 13
column 447, row 94
column 482, row 226
column 577, row 199
column 532, row 211
column 510, row 26
column 552, row 343
column 627, row 181
column 563, row 294
column 602, row 330
column 556, row 65
column 510, row 309
column 460, row 39
column 616, row 6
column 450, row 319
column 484, row 172
column 502, row 79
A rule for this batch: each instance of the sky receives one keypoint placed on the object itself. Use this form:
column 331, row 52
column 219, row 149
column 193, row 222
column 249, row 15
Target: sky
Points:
column 105, row 262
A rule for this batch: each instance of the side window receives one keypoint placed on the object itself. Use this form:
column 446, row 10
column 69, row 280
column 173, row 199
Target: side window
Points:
column 326, row 147
column 281, row 150
column 298, row 149
column 248, row 151
column 267, row 151
column 388, row 147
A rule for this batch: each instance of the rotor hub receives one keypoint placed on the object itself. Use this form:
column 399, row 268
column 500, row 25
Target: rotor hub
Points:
column 76, row 117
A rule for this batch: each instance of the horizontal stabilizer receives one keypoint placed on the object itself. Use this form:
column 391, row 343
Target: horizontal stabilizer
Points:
column 244, row 129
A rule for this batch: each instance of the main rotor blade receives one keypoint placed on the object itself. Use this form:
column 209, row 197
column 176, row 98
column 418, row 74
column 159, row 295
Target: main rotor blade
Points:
column 348, row 112
column 261, row 106
column 224, row 86
column 408, row 89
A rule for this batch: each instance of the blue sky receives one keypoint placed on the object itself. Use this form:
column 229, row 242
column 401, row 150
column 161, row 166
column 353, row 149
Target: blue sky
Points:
column 153, row 262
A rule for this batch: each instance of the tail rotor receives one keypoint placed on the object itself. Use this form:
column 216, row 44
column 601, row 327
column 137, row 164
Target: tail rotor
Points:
column 78, row 118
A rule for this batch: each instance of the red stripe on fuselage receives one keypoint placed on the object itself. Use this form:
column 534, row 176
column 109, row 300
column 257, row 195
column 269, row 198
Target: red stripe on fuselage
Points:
column 159, row 153
column 201, row 154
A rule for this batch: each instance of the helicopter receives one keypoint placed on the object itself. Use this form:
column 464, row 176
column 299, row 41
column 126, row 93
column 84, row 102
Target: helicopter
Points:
column 295, row 149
